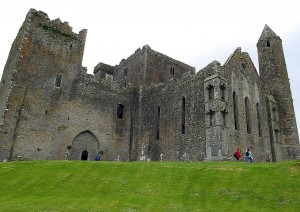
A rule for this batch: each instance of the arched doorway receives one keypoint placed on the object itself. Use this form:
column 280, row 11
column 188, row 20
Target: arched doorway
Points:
column 85, row 146
column 84, row 155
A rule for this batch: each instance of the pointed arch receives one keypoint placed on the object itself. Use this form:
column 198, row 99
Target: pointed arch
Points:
column 85, row 144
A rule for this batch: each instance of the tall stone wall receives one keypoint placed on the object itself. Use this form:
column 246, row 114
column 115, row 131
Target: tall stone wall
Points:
column 8, row 87
column 172, row 120
column 274, row 76
column 147, row 66
column 53, row 99
column 252, row 129
column 50, row 135
column 131, row 70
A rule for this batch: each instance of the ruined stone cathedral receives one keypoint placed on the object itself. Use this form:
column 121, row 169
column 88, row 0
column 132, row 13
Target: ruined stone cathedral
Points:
column 147, row 105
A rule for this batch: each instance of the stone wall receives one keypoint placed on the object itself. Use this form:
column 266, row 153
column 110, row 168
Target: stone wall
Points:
column 53, row 99
column 245, row 83
column 147, row 66
column 275, row 79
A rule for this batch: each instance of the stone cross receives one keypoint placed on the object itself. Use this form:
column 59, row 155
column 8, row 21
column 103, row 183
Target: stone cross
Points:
column 143, row 147
column 143, row 157
column 161, row 156
column 67, row 154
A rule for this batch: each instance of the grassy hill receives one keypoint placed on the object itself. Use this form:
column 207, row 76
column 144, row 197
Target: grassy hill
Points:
column 149, row 186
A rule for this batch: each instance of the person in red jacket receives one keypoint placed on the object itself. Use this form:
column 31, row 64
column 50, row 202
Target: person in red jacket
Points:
column 237, row 154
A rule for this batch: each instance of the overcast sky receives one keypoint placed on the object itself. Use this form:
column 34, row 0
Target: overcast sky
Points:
column 195, row 32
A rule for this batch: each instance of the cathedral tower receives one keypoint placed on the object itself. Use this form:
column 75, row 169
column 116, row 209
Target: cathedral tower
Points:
column 44, row 60
column 274, row 77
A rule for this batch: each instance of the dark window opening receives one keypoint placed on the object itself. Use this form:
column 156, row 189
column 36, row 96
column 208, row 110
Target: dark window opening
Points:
column 172, row 70
column 235, row 112
column 58, row 81
column 125, row 84
column 157, row 123
column 46, row 112
column 224, row 113
column 222, row 89
column 244, row 66
column 3, row 81
column 84, row 155
column 258, row 119
column 125, row 72
column 268, row 43
column 120, row 111
column 68, row 118
column 211, row 92
column 247, row 110
column 211, row 117
column 71, row 47
column 276, row 135
column 183, row 116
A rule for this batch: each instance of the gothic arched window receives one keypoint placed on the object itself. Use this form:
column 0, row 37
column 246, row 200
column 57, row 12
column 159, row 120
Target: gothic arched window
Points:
column 247, row 110
column 235, row 112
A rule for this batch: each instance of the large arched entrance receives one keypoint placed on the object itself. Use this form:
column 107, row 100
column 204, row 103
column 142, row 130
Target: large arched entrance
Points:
column 84, row 155
column 84, row 147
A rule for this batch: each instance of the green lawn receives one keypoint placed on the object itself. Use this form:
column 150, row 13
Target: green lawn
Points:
column 149, row 186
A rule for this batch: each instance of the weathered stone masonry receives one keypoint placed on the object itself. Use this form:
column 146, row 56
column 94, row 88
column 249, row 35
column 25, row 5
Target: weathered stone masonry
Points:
column 52, row 109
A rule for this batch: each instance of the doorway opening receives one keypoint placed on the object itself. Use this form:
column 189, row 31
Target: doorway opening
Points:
column 84, row 155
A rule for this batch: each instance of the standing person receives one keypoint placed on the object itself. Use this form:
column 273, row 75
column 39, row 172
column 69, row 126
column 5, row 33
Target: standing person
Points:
column 246, row 155
column 97, row 158
column 238, row 154
column 249, row 156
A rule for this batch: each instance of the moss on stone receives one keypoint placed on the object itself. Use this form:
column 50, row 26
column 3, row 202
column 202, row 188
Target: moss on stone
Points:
column 56, row 32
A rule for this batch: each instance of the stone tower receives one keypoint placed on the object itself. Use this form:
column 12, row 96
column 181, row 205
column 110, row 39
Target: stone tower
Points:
column 44, row 60
column 274, row 77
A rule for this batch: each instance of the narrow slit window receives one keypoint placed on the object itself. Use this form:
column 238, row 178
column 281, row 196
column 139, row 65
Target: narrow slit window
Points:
column 222, row 90
column 172, row 70
column 157, row 135
column 183, row 116
column 258, row 119
column 211, row 92
column 120, row 111
column 71, row 47
column 276, row 135
column 224, row 113
column 235, row 112
column 248, row 120
column 211, row 118
column 58, row 81
column 268, row 43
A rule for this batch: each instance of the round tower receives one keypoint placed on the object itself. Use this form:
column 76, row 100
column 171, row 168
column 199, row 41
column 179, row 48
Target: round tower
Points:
column 274, row 77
